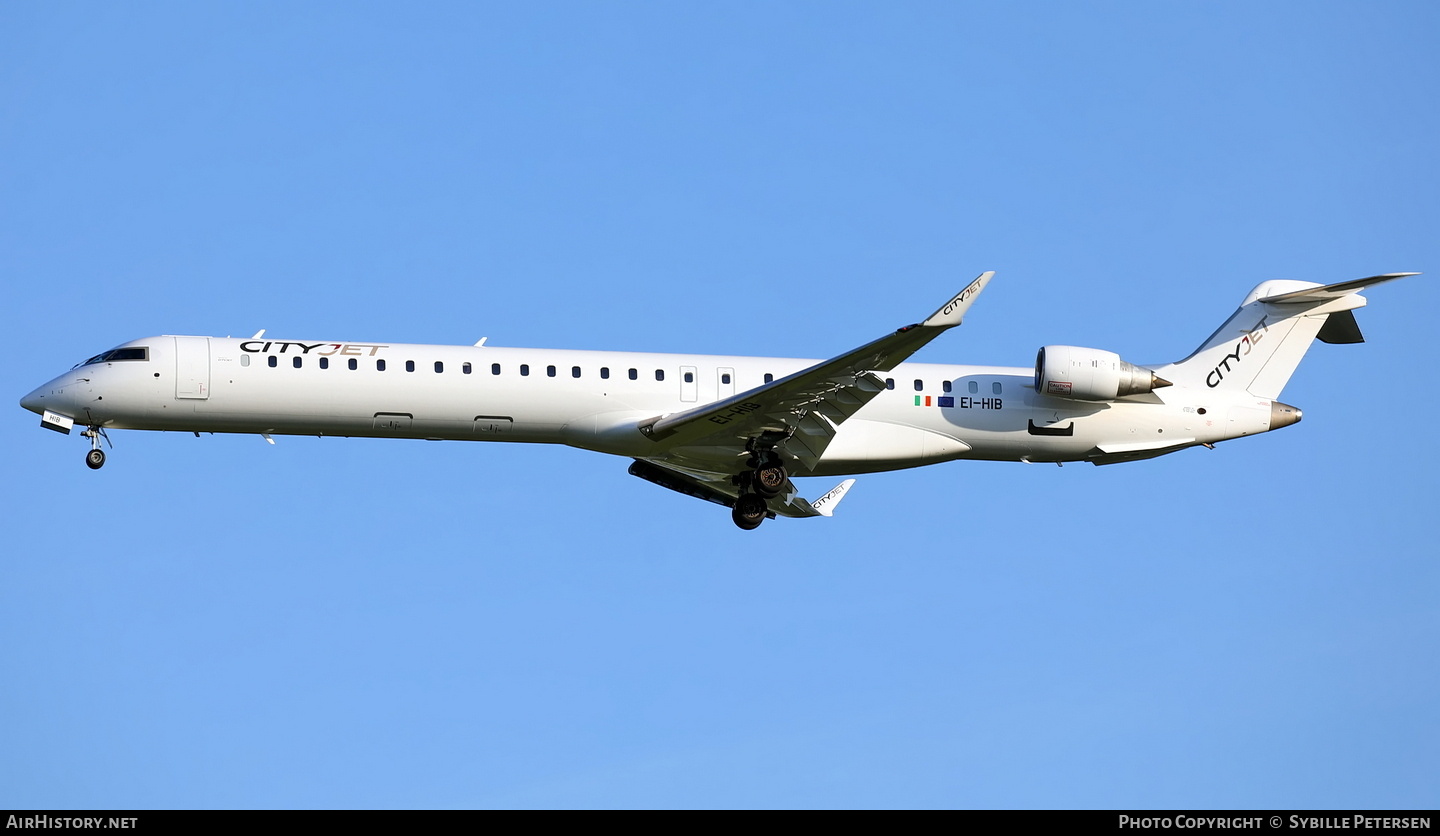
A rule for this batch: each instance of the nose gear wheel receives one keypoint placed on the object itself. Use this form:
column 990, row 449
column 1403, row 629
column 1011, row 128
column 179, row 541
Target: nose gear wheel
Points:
column 95, row 457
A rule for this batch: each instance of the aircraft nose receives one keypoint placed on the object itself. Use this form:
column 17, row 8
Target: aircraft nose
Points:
column 35, row 401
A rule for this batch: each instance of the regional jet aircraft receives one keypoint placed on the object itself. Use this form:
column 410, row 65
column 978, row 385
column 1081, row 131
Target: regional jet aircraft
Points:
column 731, row 430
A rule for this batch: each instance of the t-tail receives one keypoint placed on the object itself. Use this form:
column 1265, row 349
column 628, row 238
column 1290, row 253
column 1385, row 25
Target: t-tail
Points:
column 1262, row 343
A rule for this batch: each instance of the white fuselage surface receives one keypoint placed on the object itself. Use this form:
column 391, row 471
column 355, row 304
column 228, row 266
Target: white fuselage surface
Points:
column 729, row 429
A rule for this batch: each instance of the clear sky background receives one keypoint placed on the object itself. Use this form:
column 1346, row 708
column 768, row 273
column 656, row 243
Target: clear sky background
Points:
column 217, row 622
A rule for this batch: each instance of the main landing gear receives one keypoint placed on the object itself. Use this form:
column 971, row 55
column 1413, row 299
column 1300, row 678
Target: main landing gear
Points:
column 95, row 458
column 749, row 511
column 766, row 481
column 769, row 480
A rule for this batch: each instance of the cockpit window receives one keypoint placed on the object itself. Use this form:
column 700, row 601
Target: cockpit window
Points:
column 115, row 354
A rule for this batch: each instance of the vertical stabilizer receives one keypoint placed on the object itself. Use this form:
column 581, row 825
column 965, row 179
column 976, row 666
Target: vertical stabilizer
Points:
column 1262, row 343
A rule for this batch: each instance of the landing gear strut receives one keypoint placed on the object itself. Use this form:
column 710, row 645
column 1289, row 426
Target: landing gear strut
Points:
column 764, row 478
column 95, row 458
column 749, row 511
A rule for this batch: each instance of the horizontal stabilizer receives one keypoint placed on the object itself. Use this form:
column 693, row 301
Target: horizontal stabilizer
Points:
column 1333, row 291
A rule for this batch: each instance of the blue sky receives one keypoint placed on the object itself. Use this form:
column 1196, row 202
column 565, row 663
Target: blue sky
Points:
column 216, row 622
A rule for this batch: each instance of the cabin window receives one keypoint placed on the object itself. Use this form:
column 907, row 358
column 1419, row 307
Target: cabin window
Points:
column 947, row 386
column 634, row 375
column 273, row 361
column 574, row 371
column 889, row 383
column 495, row 369
column 409, row 365
column 973, row 387
column 995, row 387
column 659, row 374
column 549, row 371
column 524, row 369
column 769, row 377
column 244, row 359
column 465, row 368
column 725, row 379
column 295, row 361
column 439, row 367
column 604, row 372
column 379, row 365
column 354, row 364
column 324, row 362
column 689, row 377
column 919, row 385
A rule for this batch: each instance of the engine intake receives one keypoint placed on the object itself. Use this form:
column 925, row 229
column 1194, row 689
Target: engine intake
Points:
column 1089, row 374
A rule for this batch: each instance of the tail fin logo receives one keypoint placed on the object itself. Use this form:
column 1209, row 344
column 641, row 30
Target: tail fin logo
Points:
column 1242, row 349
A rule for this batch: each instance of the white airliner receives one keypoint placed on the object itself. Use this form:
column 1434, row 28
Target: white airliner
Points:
column 731, row 430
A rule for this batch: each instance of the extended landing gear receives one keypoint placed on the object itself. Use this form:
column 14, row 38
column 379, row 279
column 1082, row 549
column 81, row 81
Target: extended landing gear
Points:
column 769, row 480
column 95, row 458
column 766, row 480
column 749, row 511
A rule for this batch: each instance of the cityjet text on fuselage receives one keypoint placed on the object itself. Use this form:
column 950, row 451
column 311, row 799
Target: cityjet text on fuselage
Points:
column 320, row 349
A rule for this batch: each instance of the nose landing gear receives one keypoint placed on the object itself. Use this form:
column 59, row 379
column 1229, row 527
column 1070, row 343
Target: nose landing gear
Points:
column 95, row 458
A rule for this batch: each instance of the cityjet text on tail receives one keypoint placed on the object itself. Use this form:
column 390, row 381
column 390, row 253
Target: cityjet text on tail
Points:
column 734, row 430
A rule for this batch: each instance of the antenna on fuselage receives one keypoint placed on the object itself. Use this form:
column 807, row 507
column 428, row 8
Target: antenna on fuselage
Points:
column 258, row 334
column 482, row 342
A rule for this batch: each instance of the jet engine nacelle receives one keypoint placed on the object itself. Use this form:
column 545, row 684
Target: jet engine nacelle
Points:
column 1089, row 374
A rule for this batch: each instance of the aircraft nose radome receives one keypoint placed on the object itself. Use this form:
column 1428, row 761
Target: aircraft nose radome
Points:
column 35, row 401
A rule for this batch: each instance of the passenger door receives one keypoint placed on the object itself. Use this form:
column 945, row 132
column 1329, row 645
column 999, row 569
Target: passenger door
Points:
column 192, row 367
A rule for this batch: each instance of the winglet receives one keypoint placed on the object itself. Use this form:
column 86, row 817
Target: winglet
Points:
column 951, row 312
column 825, row 505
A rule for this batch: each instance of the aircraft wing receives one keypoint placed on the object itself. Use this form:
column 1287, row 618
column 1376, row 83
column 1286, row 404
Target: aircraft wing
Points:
column 801, row 413
column 720, row 489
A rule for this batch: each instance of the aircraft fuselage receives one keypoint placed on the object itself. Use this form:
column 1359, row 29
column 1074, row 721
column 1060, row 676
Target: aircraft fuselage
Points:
column 594, row 399
column 731, row 430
